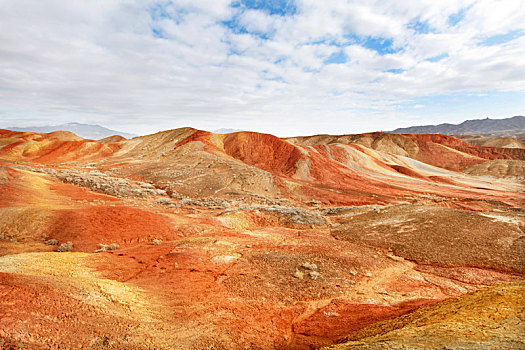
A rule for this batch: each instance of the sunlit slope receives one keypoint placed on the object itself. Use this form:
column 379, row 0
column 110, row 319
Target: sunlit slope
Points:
column 490, row 318
column 53, row 148
column 485, row 141
column 349, row 169
column 435, row 149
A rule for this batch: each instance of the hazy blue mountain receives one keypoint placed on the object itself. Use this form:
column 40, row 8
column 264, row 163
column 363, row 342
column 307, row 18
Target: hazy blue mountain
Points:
column 507, row 126
column 87, row 131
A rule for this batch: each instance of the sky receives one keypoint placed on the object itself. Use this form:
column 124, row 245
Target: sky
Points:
column 286, row 67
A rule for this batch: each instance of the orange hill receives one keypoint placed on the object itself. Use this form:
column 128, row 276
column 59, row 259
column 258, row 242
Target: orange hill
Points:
column 348, row 169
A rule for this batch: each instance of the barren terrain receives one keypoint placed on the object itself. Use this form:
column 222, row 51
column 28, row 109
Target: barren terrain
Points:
column 187, row 239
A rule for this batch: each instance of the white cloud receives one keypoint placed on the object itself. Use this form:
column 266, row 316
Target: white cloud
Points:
column 258, row 21
column 152, row 65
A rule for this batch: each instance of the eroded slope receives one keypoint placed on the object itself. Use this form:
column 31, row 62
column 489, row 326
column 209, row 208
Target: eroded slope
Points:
column 188, row 239
column 490, row 318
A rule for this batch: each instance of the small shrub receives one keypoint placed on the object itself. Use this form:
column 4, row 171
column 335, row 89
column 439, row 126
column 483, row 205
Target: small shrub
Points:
column 314, row 275
column 309, row 266
column 145, row 185
column 186, row 201
column 65, row 247
column 51, row 242
column 164, row 201
column 331, row 314
column 189, row 201
column 106, row 247
column 156, row 241
column 298, row 274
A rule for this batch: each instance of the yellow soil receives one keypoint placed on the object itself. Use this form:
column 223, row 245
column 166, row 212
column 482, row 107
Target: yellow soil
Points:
column 70, row 271
column 491, row 318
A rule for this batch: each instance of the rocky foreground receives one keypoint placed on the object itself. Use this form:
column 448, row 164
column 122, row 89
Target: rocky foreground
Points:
column 191, row 240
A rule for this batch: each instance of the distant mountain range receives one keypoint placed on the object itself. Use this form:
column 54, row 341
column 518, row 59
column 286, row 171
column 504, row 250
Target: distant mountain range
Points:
column 508, row 127
column 87, row 131
column 486, row 127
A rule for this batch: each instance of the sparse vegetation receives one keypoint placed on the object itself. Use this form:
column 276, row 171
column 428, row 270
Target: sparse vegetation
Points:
column 188, row 201
column 314, row 275
column 65, row 247
column 51, row 242
column 293, row 215
column 106, row 247
column 309, row 266
column 102, row 182
column 145, row 185
column 298, row 274
column 164, row 201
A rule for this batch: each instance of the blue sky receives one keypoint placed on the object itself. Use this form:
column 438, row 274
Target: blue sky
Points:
column 287, row 67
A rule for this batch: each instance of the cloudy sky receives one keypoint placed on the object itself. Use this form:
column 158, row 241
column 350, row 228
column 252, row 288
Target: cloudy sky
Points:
column 280, row 66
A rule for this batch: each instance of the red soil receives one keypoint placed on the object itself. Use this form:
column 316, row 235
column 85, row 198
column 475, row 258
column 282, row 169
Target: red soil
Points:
column 76, row 193
column 4, row 133
column 196, row 135
column 263, row 151
column 114, row 138
column 406, row 171
column 435, row 149
column 64, row 151
column 46, row 317
column 22, row 189
column 281, row 158
column 104, row 224
column 196, row 288
column 64, row 136
column 341, row 317
column 488, row 153
column 55, row 147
